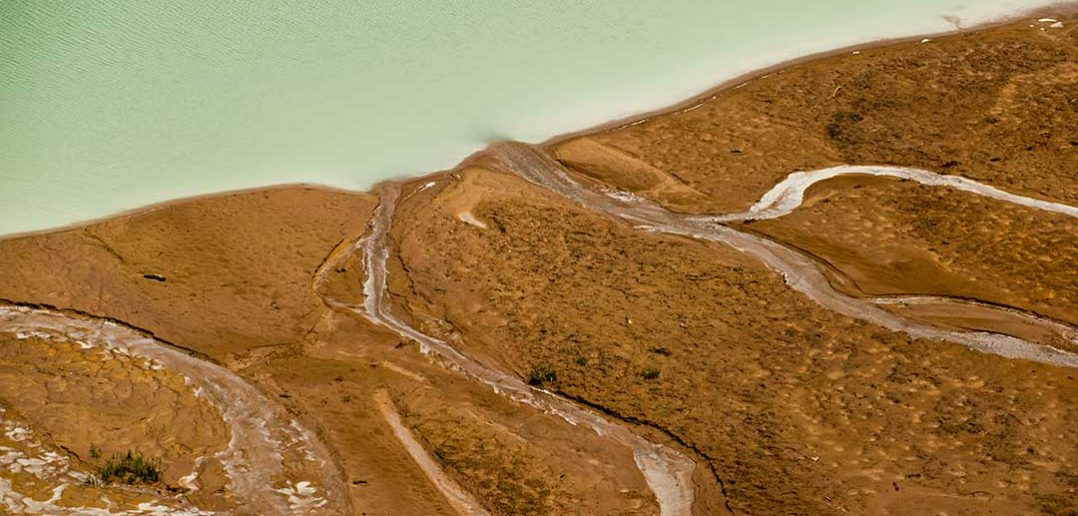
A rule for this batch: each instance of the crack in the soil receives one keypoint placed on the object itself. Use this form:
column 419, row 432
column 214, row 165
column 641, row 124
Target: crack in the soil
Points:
column 100, row 242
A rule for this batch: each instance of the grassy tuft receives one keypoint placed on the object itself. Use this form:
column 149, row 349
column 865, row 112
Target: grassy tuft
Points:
column 130, row 468
column 542, row 374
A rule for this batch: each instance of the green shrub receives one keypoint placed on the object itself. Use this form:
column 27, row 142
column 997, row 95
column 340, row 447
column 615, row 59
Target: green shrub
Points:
column 542, row 374
column 650, row 373
column 130, row 468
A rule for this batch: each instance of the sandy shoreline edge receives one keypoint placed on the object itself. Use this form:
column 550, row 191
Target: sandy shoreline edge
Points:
column 1065, row 8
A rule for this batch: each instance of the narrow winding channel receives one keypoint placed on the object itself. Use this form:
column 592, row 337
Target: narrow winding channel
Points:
column 789, row 194
column 667, row 471
column 265, row 440
column 801, row 273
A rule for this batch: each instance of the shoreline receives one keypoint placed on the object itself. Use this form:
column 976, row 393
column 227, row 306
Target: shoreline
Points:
column 1063, row 9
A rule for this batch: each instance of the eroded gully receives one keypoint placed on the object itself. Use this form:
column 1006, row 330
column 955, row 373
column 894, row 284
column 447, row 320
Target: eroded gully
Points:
column 667, row 471
column 801, row 272
column 264, row 440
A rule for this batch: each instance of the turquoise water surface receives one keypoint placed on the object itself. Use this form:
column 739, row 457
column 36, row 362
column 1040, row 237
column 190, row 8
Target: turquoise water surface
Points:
column 108, row 105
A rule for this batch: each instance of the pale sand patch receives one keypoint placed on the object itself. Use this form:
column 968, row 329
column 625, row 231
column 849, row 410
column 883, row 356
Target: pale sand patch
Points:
column 402, row 371
column 468, row 218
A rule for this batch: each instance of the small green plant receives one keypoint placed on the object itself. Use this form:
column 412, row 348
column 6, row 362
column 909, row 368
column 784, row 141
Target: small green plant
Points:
column 130, row 468
column 347, row 398
column 581, row 361
column 95, row 452
column 542, row 374
column 650, row 373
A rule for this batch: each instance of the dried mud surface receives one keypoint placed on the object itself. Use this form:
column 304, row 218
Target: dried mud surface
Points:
column 783, row 405
column 97, row 404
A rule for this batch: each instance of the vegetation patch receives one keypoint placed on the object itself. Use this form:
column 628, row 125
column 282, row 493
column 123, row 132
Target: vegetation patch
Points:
column 542, row 374
column 130, row 468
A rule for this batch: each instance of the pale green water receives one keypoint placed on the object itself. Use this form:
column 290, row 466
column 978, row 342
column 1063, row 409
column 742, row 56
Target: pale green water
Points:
column 107, row 105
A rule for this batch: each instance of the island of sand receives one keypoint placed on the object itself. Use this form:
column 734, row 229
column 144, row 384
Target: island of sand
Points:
column 849, row 286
